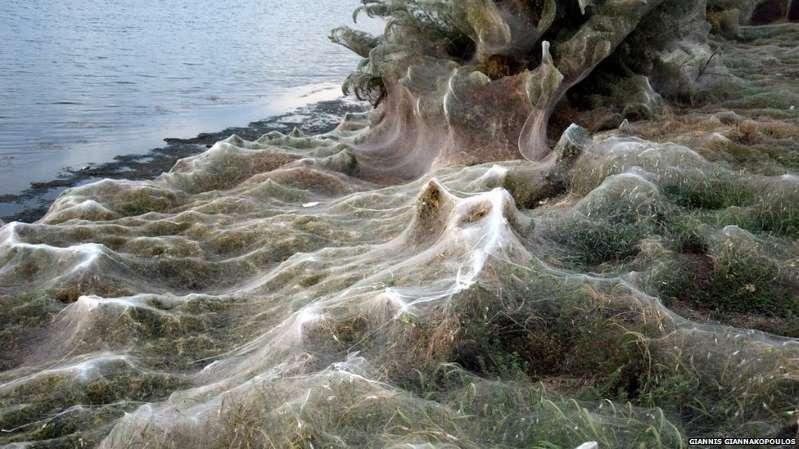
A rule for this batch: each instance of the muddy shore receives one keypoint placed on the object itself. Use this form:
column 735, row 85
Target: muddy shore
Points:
column 32, row 203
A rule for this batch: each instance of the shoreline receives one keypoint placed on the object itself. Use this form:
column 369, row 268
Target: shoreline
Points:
column 32, row 203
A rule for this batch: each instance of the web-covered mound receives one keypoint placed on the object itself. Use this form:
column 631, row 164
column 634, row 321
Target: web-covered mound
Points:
column 263, row 295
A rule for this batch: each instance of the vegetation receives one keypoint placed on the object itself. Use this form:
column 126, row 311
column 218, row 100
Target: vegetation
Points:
column 398, row 283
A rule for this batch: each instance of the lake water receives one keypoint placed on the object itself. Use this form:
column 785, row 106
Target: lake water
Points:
column 82, row 81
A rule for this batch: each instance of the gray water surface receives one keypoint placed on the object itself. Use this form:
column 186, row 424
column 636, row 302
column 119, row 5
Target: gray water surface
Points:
column 82, row 81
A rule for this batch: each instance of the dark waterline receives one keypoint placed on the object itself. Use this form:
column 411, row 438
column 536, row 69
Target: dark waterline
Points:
column 32, row 203
column 83, row 81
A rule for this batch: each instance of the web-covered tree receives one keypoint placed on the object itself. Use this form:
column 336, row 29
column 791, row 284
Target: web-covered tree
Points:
column 467, row 81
